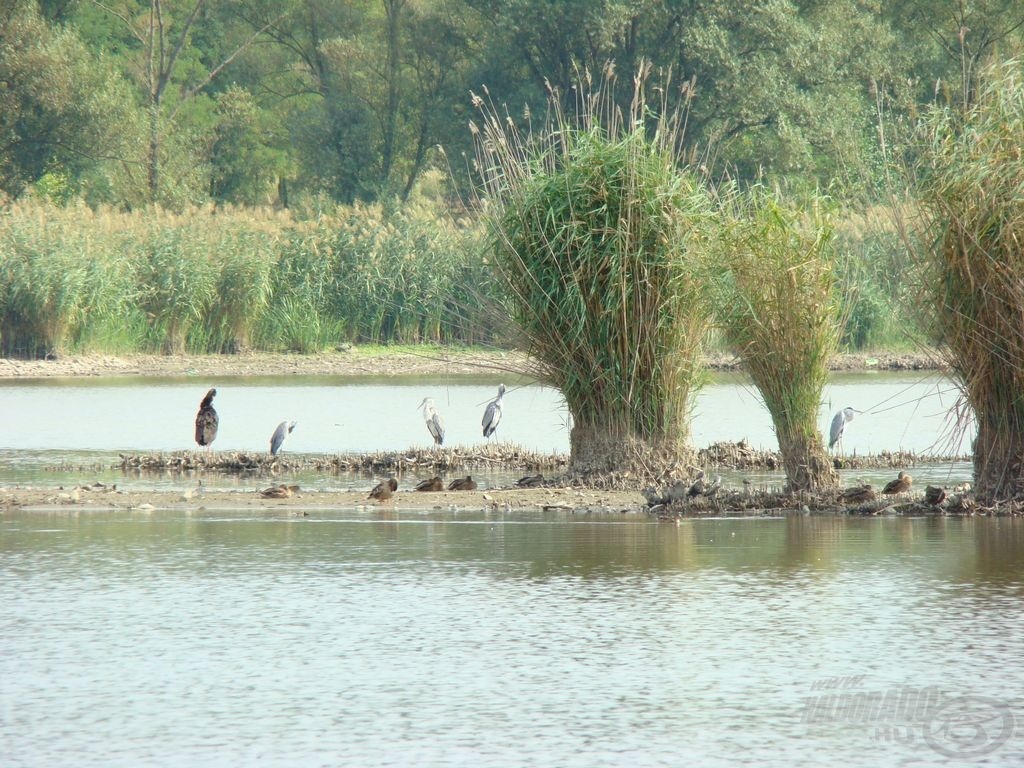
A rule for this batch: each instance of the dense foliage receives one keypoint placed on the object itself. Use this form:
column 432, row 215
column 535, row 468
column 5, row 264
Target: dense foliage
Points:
column 155, row 105
column 130, row 102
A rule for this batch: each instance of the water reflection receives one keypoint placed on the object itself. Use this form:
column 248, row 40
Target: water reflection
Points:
column 392, row 639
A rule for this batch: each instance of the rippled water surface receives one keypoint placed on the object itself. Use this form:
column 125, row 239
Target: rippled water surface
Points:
column 175, row 639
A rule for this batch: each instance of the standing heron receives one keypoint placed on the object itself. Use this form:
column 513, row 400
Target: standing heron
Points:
column 207, row 421
column 435, row 424
column 277, row 439
column 492, row 416
column 835, row 432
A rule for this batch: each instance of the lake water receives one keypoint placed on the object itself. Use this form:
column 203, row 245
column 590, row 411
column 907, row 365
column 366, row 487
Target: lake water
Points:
column 88, row 422
column 378, row 639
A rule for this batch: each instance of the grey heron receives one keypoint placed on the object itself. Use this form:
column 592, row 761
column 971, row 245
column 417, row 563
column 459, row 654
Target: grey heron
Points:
column 277, row 439
column 435, row 424
column 382, row 491
column 900, row 485
column 207, row 421
column 835, row 432
column 492, row 415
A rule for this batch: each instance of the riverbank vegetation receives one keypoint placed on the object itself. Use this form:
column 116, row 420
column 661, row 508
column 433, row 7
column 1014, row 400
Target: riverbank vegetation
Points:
column 781, row 312
column 600, row 242
column 298, row 144
column 972, row 260
column 77, row 279
column 295, row 177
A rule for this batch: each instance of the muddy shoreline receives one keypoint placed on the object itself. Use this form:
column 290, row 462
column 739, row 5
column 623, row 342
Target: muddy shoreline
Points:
column 362, row 361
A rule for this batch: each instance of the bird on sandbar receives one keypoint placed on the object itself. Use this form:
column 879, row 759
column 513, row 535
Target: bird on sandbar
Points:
column 462, row 484
column 934, row 495
column 530, row 481
column 435, row 424
column 492, row 414
column 835, row 432
column 279, row 491
column 858, row 494
column 433, row 484
column 698, row 485
column 383, row 490
column 277, row 439
column 207, row 421
column 715, row 486
column 900, row 485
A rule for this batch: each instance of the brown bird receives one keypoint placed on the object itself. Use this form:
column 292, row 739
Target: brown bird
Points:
column 530, row 481
column 698, row 485
column 934, row 495
column 858, row 494
column 462, row 484
column 901, row 484
column 279, row 491
column 382, row 491
column 206, row 421
column 433, row 484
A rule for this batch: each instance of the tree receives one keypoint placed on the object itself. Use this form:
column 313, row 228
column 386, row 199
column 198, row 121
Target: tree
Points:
column 62, row 109
column 162, row 38
column 243, row 167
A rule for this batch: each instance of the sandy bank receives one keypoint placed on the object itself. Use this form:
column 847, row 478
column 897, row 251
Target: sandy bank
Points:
column 358, row 361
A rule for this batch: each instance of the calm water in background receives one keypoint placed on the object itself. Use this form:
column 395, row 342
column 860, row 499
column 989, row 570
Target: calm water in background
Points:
column 175, row 639
column 87, row 422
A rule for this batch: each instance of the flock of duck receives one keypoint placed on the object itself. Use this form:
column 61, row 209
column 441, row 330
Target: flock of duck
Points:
column 207, row 422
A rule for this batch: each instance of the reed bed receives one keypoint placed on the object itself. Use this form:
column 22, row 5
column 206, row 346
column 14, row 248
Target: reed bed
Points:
column 781, row 313
column 972, row 177
column 80, row 280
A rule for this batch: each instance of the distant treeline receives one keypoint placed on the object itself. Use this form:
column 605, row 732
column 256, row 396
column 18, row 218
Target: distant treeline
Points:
column 139, row 102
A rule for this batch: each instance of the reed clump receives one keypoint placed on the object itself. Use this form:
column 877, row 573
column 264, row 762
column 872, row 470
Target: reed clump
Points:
column 781, row 312
column 598, row 236
column 972, row 260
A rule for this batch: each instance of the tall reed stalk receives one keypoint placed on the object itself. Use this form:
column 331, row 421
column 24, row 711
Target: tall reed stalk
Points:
column 972, row 191
column 597, row 234
column 781, row 313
